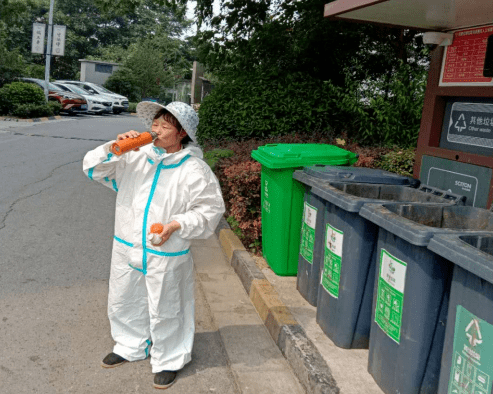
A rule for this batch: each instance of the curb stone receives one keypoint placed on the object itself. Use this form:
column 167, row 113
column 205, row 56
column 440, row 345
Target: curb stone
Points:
column 304, row 358
column 30, row 120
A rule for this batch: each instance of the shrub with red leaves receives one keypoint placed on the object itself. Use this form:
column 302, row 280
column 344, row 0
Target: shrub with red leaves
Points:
column 241, row 192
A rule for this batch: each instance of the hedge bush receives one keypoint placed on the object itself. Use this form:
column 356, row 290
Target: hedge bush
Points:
column 400, row 161
column 212, row 157
column 132, row 107
column 267, row 105
column 18, row 94
column 55, row 106
column 32, row 110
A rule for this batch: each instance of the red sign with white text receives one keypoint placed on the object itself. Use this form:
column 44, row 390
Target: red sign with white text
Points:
column 464, row 59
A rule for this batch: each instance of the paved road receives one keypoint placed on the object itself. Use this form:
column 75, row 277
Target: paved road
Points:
column 49, row 211
column 56, row 228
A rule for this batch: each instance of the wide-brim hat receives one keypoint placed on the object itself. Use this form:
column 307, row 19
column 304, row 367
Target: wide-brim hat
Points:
column 184, row 113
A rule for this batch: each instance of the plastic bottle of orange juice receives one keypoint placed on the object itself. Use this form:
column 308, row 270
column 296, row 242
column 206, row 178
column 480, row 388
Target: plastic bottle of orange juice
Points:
column 122, row 146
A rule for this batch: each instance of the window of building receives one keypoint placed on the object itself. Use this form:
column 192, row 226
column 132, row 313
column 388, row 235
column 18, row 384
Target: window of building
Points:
column 104, row 68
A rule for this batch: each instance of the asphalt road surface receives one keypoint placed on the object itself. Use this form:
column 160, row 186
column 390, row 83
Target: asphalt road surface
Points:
column 56, row 230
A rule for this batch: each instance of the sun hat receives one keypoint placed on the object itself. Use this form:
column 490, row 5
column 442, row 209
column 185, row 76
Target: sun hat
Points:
column 184, row 113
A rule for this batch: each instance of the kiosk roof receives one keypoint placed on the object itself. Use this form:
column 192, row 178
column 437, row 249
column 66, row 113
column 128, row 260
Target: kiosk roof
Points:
column 429, row 15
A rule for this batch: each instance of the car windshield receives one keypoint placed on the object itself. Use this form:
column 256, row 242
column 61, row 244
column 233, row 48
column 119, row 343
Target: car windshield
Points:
column 79, row 90
column 61, row 87
column 51, row 86
column 104, row 89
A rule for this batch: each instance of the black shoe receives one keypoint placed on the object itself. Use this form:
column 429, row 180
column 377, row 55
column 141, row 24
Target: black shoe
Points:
column 164, row 379
column 112, row 360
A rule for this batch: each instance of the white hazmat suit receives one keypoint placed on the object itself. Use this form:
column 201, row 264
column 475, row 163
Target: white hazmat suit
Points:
column 151, row 289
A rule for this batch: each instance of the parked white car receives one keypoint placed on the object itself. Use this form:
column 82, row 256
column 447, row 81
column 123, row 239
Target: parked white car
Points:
column 95, row 103
column 91, row 90
column 120, row 103
column 123, row 99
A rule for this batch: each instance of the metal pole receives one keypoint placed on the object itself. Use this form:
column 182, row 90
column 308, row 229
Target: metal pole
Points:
column 48, row 48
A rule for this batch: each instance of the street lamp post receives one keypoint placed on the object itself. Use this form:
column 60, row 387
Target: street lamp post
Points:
column 48, row 49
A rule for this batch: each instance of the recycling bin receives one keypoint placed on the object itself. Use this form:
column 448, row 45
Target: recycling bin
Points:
column 312, row 227
column 346, row 255
column 467, row 360
column 412, row 290
column 282, row 197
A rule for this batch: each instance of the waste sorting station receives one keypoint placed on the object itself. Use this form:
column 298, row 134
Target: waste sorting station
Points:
column 432, row 288
column 401, row 266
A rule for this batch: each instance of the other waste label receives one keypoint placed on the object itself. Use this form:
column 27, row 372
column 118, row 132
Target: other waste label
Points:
column 472, row 360
column 331, row 273
column 390, row 295
column 308, row 232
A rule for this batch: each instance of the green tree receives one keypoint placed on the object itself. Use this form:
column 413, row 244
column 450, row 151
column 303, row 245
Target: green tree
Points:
column 122, row 81
column 90, row 29
column 146, row 68
column 12, row 64
column 150, row 66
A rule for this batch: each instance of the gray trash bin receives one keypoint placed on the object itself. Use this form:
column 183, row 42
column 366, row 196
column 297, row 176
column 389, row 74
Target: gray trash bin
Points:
column 467, row 360
column 313, row 229
column 347, row 248
column 411, row 292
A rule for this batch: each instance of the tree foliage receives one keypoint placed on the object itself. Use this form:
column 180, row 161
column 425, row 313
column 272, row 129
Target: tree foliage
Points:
column 372, row 76
column 11, row 65
column 150, row 65
column 93, row 29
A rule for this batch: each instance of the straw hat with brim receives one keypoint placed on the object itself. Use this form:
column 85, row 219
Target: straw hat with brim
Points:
column 184, row 113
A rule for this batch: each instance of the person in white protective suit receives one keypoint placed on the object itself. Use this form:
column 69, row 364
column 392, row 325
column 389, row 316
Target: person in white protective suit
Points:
column 151, row 287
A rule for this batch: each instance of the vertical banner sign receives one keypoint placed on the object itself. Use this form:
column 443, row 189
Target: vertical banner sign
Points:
column 38, row 43
column 472, row 360
column 390, row 295
column 58, row 40
column 308, row 232
column 331, row 273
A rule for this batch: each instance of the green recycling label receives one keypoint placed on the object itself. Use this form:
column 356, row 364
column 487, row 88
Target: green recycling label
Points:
column 472, row 360
column 308, row 232
column 331, row 273
column 390, row 295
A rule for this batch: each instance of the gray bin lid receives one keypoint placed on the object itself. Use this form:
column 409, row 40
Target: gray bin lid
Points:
column 417, row 223
column 359, row 175
column 352, row 196
column 471, row 251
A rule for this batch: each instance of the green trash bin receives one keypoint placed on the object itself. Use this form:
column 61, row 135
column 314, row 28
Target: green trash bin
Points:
column 282, row 197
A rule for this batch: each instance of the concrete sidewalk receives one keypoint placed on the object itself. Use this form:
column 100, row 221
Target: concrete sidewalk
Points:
column 256, row 362
column 321, row 367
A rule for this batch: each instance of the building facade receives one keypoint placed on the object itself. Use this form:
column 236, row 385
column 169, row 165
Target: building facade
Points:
column 96, row 71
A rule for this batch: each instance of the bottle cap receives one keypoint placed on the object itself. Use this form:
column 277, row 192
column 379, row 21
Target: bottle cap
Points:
column 154, row 239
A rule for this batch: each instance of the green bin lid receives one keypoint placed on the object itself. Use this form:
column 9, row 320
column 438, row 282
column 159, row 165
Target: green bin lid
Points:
column 300, row 155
